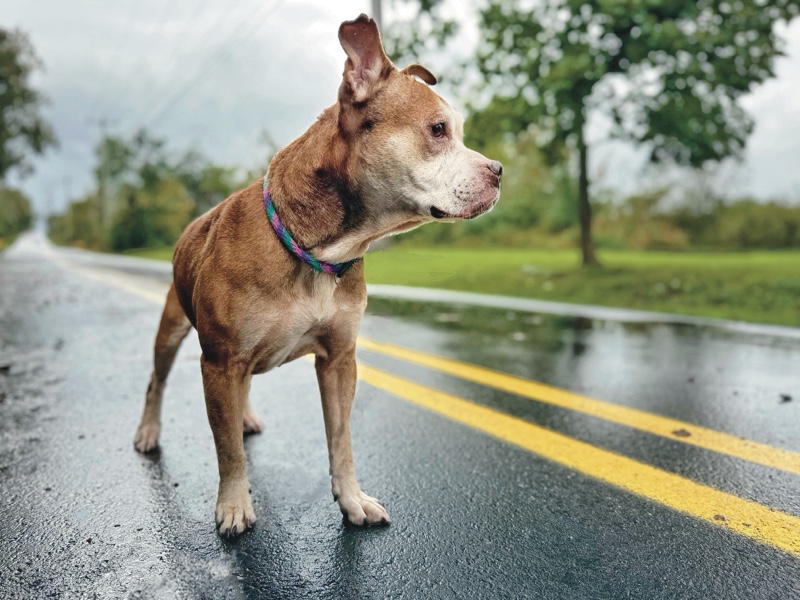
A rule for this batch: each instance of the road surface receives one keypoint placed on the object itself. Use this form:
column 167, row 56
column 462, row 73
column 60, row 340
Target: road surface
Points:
column 520, row 454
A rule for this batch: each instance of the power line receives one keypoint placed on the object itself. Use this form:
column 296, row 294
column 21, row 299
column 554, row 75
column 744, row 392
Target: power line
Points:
column 212, row 61
column 155, row 35
column 106, row 70
column 207, row 67
column 213, row 30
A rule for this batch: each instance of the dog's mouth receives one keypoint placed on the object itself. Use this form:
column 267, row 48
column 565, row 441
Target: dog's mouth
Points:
column 469, row 213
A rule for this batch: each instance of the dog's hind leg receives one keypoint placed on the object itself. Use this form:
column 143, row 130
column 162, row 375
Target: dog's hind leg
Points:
column 251, row 421
column 173, row 328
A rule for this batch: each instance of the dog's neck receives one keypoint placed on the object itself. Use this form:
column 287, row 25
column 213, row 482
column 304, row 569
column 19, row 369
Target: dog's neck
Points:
column 313, row 195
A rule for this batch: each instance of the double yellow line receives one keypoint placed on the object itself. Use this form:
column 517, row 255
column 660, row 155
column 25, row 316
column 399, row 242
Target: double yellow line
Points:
column 745, row 517
column 687, row 433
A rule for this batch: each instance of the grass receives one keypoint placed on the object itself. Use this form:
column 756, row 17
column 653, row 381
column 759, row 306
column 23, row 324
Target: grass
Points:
column 155, row 253
column 762, row 287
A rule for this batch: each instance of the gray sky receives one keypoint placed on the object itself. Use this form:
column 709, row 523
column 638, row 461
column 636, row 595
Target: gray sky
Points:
column 212, row 75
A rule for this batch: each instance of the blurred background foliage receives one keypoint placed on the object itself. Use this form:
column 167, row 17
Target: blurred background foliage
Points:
column 15, row 215
column 667, row 75
column 145, row 194
column 22, row 130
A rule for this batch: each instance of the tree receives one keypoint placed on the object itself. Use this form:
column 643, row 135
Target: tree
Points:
column 22, row 128
column 15, row 214
column 140, row 161
column 80, row 224
column 154, row 216
column 208, row 184
column 144, row 195
column 669, row 74
column 427, row 29
column 536, row 192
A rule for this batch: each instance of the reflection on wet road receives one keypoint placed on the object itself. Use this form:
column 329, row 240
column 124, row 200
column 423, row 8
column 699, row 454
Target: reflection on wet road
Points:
column 553, row 456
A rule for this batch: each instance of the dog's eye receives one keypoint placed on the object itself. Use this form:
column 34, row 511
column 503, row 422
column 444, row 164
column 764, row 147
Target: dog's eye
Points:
column 438, row 130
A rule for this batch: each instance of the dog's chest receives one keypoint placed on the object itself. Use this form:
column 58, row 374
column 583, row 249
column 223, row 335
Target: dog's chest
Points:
column 283, row 333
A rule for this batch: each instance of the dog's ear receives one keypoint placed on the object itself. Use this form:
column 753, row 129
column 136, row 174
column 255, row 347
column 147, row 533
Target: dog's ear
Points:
column 416, row 70
column 367, row 63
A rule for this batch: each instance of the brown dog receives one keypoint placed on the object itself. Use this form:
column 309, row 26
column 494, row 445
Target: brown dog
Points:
column 387, row 157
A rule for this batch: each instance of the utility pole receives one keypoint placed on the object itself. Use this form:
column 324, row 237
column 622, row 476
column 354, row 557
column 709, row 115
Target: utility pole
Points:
column 70, row 218
column 376, row 14
column 103, row 180
column 105, row 208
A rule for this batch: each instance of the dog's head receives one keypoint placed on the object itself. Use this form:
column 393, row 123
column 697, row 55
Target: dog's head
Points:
column 405, row 143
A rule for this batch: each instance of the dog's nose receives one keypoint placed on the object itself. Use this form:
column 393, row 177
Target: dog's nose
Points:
column 496, row 168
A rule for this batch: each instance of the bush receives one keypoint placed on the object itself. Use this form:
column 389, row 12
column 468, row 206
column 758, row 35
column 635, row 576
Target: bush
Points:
column 745, row 224
column 80, row 225
column 152, row 218
column 15, row 214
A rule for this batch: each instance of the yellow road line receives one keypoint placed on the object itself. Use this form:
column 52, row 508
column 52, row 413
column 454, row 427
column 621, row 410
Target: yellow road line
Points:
column 713, row 506
column 709, row 439
column 125, row 282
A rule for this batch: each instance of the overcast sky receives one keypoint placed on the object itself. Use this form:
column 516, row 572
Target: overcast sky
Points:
column 213, row 75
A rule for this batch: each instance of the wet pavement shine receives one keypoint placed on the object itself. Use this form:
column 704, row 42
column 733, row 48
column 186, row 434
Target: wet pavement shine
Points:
column 520, row 454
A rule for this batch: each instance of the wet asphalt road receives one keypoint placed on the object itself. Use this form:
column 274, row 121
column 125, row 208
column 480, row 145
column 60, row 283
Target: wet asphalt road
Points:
column 82, row 515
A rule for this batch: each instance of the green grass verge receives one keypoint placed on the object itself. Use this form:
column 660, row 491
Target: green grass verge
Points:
column 761, row 287
column 155, row 253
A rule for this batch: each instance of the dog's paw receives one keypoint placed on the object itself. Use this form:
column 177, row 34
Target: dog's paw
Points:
column 252, row 423
column 234, row 514
column 146, row 438
column 362, row 510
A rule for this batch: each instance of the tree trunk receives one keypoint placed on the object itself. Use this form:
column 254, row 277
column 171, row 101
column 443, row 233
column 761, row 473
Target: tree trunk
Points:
column 584, row 207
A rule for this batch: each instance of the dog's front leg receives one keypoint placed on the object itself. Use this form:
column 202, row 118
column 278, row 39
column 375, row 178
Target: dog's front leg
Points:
column 225, row 387
column 336, row 374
